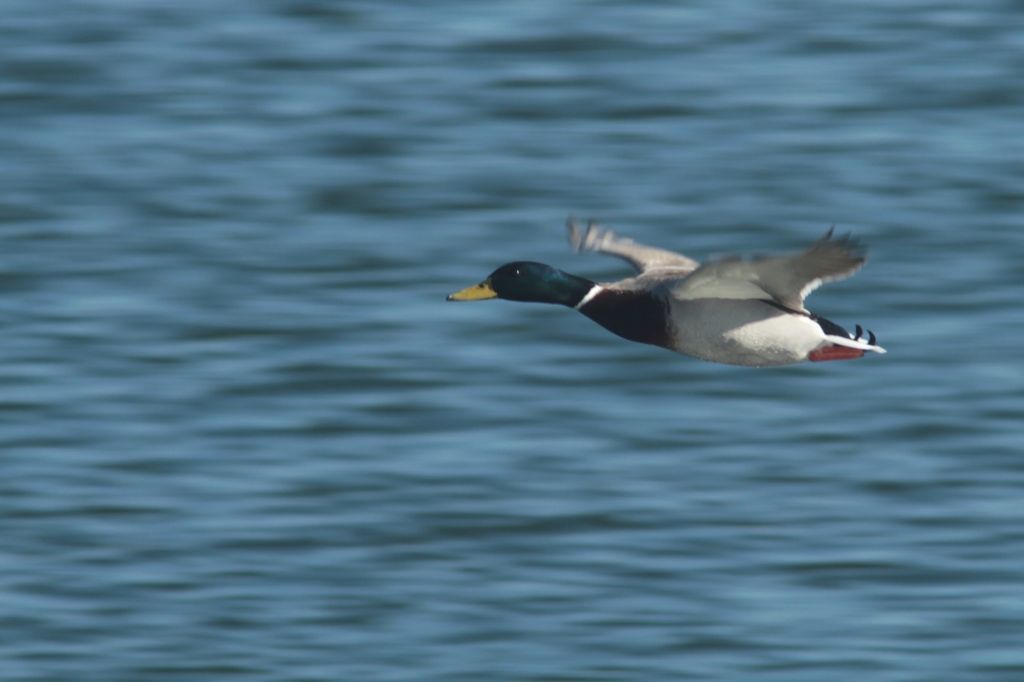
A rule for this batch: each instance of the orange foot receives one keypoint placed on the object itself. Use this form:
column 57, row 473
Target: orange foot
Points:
column 834, row 353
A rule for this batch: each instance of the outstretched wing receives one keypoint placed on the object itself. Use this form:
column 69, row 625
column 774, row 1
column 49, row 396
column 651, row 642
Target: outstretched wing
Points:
column 642, row 258
column 784, row 279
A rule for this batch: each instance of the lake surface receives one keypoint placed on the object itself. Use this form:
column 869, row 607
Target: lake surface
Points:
column 244, row 436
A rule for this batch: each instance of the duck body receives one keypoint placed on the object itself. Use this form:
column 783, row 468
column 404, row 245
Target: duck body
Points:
column 731, row 311
column 749, row 333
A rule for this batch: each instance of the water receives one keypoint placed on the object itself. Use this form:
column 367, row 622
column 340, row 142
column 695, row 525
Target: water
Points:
column 244, row 437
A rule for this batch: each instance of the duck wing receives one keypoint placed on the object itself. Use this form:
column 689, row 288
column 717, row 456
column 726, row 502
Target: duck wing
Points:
column 642, row 258
column 786, row 280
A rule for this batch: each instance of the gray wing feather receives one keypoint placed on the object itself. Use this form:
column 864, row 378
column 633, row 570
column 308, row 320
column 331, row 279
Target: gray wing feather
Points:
column 786, row 279
column 642, row 258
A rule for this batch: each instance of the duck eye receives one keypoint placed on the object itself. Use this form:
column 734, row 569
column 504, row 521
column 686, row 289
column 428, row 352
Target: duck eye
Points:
column 517, row 272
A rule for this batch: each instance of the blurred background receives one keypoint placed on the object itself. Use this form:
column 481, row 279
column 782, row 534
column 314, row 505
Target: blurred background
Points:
column 243, row 436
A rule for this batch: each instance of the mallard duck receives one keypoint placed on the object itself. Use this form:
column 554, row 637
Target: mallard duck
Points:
column 732, row 310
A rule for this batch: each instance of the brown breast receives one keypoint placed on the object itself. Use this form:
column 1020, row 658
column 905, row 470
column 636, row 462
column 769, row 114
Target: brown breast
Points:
column 635, row 315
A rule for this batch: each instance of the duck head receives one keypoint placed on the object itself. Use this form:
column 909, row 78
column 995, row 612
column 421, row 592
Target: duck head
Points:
column 529, row 282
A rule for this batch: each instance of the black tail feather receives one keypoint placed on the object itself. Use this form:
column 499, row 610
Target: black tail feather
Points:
column 831, row 328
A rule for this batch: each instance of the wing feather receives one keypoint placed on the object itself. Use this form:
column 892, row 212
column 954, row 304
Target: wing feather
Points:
column 642, row 258
column 784, row 279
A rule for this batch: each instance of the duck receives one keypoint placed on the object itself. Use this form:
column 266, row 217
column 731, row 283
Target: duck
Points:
column 731, row 310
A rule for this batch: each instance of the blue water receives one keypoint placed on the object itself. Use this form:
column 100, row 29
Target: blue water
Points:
column 244, row 437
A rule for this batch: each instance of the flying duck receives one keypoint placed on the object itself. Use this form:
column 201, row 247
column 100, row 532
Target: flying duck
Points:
column 732, row 310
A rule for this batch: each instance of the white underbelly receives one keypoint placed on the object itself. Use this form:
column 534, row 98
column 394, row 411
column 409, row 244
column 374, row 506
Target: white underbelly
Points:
column 751, row 333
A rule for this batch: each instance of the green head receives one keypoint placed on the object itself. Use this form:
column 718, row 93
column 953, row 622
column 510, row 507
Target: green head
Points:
column 531, row 282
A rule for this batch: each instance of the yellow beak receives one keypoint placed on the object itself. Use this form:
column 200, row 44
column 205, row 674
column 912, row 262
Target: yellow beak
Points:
column 478, row 292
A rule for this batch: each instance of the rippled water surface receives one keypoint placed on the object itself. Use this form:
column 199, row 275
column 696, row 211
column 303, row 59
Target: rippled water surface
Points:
column 244, row 437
